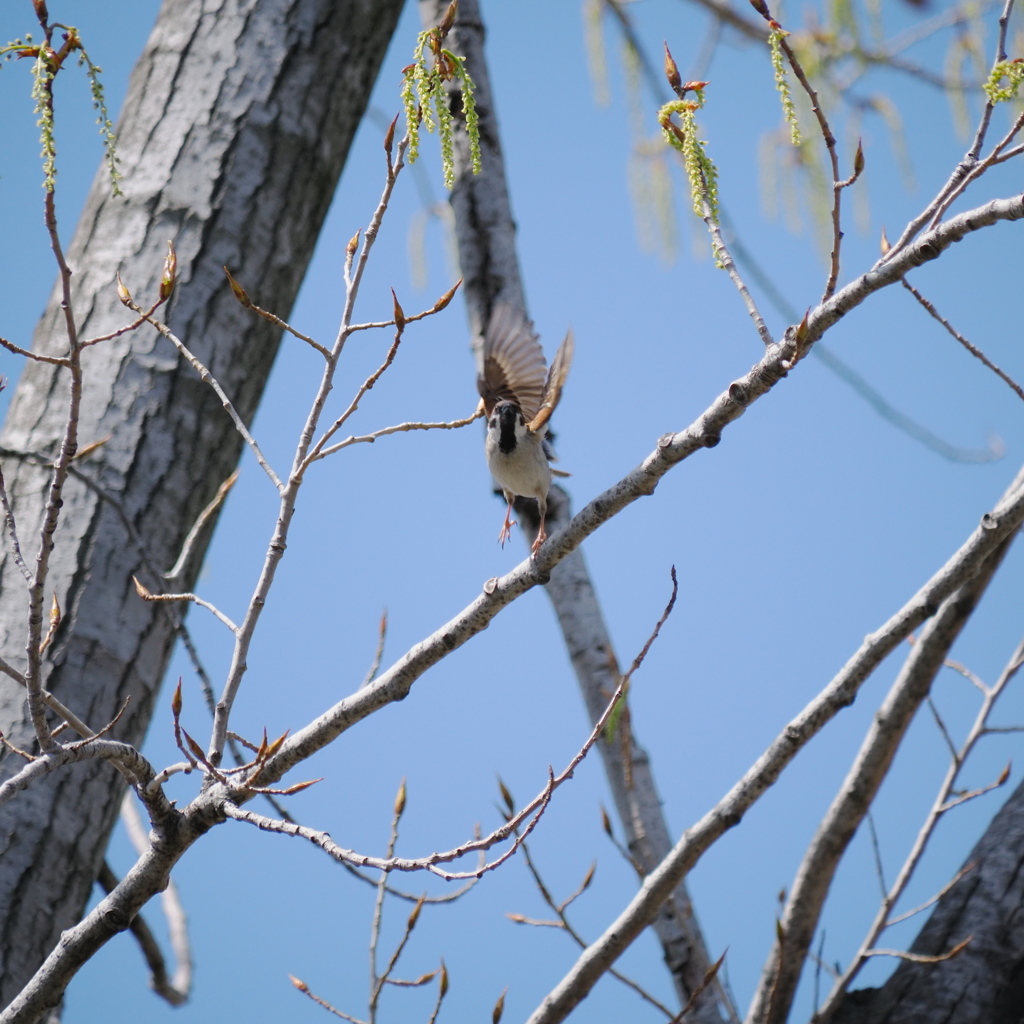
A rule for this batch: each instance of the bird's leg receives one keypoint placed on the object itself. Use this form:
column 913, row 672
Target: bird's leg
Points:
column 542, row 534
column 506, row 527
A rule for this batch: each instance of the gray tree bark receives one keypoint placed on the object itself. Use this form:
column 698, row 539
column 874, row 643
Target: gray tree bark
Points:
column 985, row 983
column 236, row 127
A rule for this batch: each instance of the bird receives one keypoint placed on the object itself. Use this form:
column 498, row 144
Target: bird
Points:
column 518, row 394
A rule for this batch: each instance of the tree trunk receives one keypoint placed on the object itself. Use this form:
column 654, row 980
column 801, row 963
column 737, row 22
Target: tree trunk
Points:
column 235, row 130
column 490, row 267
column 985, row 983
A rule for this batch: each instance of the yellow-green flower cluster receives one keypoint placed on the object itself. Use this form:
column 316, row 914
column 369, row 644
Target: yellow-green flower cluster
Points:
column 782, row 84
column 425, row 102
column 47, row 62
column 701, row 172
column 42, row 93
column 1013, row 72
column 99, row 104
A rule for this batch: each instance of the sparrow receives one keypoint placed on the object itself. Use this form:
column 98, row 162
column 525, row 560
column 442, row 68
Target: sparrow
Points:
column 519, row 394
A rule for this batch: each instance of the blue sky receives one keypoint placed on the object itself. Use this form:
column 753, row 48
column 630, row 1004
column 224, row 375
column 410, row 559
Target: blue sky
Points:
column 804, row 530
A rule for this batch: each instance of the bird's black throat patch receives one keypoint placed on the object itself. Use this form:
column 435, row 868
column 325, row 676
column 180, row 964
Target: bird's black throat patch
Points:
column 507, row 417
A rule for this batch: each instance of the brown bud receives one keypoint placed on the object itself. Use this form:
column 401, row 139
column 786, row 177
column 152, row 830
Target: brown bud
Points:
column 41, row 12
column 449, row 19
column 298, row 983
column 197, row 751
column 176, row 700
column 141, row 590
column 499, row 1008
column 672, row 70
column 606, row 822
column 884, row 243
column 122, row 293
column 170, row 270
column 506, row 796
column 444, row 979
column 761, row 7
column 238, row 291
column 389, row 139
column 858, row 160
column 399, row 314
column 276, row 745
column 447, row 297
column 589, row 876
column 400, row 800
column 353, row 244
column 54, row 613
column 415, row 915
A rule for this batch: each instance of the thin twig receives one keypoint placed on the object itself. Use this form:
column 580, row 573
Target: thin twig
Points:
column 973, row 349
column 397, row 428
column 197, row 527
column 147, row 595
column 208, row 378
column 13, row 531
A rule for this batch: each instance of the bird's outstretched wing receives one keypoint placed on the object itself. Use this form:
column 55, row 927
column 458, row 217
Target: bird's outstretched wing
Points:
column 512, row 367
column 554, row 384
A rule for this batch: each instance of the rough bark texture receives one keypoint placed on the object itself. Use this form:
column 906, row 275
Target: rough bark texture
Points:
column 237, row 124
column 490, row 269
column 985, row 983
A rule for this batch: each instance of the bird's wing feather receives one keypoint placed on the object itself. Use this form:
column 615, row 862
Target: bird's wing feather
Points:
column 512, row 367
column 555, row 382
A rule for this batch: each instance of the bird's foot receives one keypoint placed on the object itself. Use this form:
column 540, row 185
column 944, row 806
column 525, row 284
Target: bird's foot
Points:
column 542, row 535
column 506, row 527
